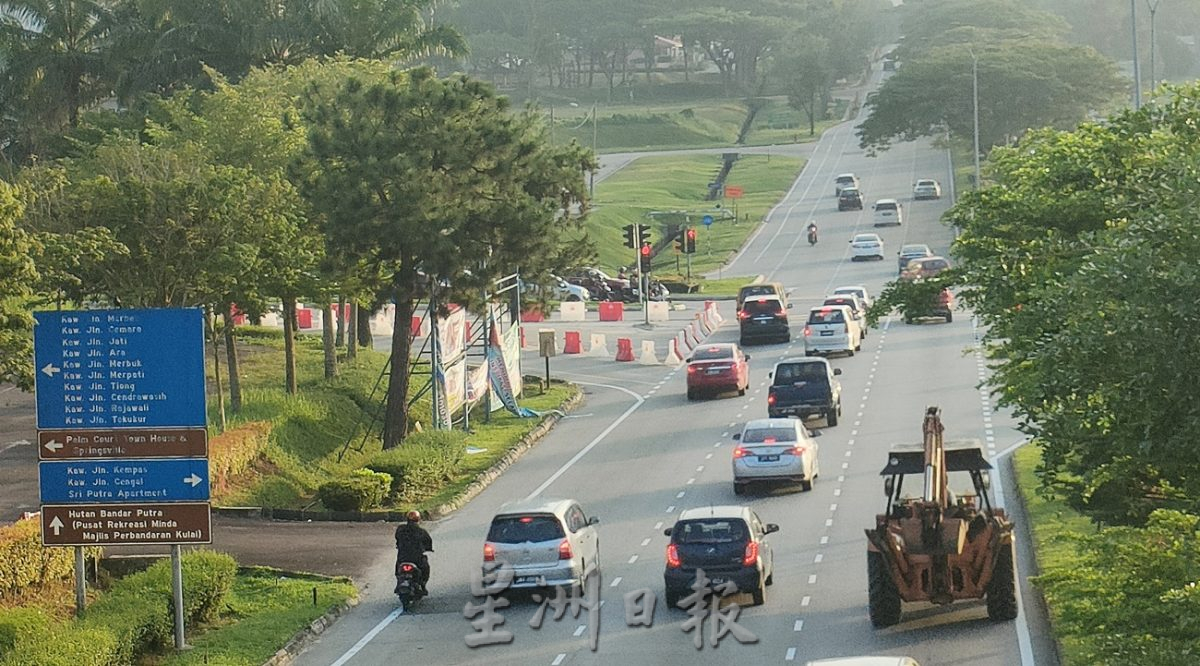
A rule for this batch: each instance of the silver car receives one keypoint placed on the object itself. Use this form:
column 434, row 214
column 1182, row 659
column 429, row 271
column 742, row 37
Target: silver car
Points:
column 927, row 188
column 775, row 450
column 547, row 542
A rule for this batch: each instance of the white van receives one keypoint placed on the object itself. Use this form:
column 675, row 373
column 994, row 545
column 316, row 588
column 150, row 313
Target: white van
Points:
column 888, row 213
column 832, row 329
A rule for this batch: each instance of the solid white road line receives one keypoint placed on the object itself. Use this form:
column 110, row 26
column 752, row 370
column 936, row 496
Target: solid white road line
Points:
column 1023, row 641
column 362, row 642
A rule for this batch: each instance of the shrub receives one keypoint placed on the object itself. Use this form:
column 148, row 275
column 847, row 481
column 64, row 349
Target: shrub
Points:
column 26, row 563
column 234, row 451
column 422, row 464
column 364, row 490
column 20, row 624
column 67, row 645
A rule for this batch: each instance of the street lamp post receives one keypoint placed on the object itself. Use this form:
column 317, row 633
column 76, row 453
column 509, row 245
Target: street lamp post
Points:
column 1153, row 5
column 1137, row 70
column 975, row 110
column 592, row 178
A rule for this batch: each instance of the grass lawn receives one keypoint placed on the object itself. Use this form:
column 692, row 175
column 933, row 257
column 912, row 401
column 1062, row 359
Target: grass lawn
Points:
column 1055, row 528
column 964, row 164
column 679, row 183
column 652, row 126
column 311, row 429
column 265, row 609
column 778, row 123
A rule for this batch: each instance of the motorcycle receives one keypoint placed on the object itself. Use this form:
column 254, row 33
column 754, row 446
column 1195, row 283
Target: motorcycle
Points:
column 812, row 236
column 408, row 583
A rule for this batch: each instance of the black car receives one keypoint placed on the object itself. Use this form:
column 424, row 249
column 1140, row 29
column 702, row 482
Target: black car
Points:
column 764, row 318
column 850, row 198
column 805, row 387
column 728, row 543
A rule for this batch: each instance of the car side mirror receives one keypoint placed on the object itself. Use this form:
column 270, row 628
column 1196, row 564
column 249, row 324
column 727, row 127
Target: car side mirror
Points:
column 987, row 481
column 889, row 484
column 837, row 371
column 789, row 306
column 770, row 375
column 747, row 357
column 687, row 360
column 667, row 532
column 737, row 436
column 593, row 521
column 770, row 528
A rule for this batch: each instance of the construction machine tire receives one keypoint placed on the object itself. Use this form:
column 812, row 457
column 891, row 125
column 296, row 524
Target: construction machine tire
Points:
column 883, row 597
column 1002, row 589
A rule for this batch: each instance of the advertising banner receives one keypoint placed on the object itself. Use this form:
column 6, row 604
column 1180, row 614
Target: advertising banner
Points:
column 504, row 368
column 452, row 337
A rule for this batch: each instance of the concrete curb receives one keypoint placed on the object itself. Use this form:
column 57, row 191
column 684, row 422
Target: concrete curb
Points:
column 301, row 640
column 485, row 478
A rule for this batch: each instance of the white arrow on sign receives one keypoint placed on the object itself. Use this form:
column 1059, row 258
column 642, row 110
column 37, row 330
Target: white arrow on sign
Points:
column 56, row 525
column 193, row 480
column 50, row 369
column 53, row 445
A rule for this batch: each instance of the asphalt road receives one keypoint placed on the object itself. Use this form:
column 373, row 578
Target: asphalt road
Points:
column 637, row 452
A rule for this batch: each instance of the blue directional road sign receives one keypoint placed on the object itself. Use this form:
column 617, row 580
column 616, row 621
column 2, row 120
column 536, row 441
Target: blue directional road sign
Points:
column 103, row 369
column 708, row 220
column 126, row 481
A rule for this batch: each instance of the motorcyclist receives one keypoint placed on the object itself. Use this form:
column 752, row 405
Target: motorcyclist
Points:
column 812, row 232
column 412, row 542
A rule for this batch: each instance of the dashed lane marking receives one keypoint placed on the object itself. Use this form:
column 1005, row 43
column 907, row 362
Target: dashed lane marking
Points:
column 804, row 602
column 615, row 582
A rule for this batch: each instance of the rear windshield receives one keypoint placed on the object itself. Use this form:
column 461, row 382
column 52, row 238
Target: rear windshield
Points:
column 768, row 435
column 523, row 529
column 711, row 530
column 849, row 192
column 841, row 301
column 845, row 179
column 762, row 307
column 826, row 317
column 711, row 353
column 758, row 290
column 800, row 372
column 885, row 206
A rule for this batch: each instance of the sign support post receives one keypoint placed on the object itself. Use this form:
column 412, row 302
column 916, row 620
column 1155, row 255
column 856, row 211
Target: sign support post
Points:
column 177, row 595
column 80, row 582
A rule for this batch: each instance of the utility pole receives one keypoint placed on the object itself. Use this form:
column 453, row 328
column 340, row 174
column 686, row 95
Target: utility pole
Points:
column 1137, row 70
column 975, row 99
column 1153, row 5
column 592, row 178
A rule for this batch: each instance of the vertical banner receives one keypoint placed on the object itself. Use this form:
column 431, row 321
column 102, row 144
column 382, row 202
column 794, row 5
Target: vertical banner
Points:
column 504, row 367
column 452, row 337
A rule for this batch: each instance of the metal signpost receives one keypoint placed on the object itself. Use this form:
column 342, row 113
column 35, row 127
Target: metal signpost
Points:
column 708, row 222
column 122, row 433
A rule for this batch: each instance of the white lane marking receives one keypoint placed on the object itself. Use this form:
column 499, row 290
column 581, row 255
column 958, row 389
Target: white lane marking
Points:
column 708, row 457
column 791, row 654
column 689, row 482
column 658, row 525
column 680, row 494
column 701, row 467
column 833, row 507
column 580, row 629
column 716, row 445
column 799, row 624
column 645, row 542
column 848, row 454
column 818, row 558
column 845, row 465
column 829, row 522
column 599, row 438
column 850, row 442
column 671, row 509
column 841, row 478
column 858, row 423
column 837, row 492
column 633, row 559
column 615, row 582
column 812, row 579
column 362, row 642
column 804, row 602
column 853, row 433
column 824, row 540
column 559, row 659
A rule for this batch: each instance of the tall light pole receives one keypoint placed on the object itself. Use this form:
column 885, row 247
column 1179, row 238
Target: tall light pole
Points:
column 1137, row 70
column 1153, row 5
column 592, row 178
column 975, row 110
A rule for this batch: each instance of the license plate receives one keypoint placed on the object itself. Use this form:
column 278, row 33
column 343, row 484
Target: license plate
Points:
column 525, row 580
column 714, row 372
column 768, row 458
column 718, row 580
column 826, row 332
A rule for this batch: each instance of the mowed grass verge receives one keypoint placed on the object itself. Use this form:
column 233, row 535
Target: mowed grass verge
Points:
column 332, row 419
column 679, row 183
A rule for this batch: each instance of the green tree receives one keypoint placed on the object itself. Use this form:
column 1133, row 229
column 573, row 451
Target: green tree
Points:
column 804, row 69
column 437, row 180
column 17, row 277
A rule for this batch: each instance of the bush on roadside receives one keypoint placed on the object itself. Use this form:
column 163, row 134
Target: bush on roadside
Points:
column 25, row 563
column 234, row 451
column 20, row 624
column 423, row 464
column 66, row 645
column 363, row 490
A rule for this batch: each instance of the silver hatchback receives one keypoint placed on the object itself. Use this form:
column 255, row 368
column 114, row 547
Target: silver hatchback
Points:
column 775, row 450
column 547, row 542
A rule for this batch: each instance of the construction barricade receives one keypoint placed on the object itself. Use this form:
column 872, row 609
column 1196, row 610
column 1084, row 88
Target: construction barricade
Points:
column 624, row 349
column 658, row 311
column 673, row 358
column 571, row 343
column 648, row 357
column 571, row 311
column 612, row 310
column 598, row 345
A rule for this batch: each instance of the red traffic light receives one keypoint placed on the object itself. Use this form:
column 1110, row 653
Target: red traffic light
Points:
column 691, row 233
column 646, row 250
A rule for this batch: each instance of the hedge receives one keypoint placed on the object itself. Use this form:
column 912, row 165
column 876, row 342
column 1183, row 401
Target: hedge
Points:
column 364, row 490
column 25, row 563
column 134, row 618
column 234, row 451
column 423, row 464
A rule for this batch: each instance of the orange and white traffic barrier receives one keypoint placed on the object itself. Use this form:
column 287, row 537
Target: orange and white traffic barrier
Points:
column 705, row 324
column 673, row 358
column 683, row 345
column 571, row 343
column 697, row 333
column 648, row 357
column 598, row 345
column 716, row 314
column 624, row 349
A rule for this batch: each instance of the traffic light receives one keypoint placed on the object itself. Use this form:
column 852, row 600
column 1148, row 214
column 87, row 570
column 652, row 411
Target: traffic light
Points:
column 630, row 238
column 690, row 245
column 679, row 242
column 643, row 233
column 644, row 258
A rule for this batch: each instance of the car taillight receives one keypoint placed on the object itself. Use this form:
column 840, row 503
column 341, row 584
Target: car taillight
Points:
column 489, row 552
column 739, row 452
column 673, row 556
column 781, row 315
column 750, row 558
column 807, row 332
column 407, row 568
column 797, row 451
column 564, row 550
column 692, row 368
column 742, row 314
column 770, row 398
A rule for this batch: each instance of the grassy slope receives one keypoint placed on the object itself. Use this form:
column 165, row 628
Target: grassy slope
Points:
column 679, row 183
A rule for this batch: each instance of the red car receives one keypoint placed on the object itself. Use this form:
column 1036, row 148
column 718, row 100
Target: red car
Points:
column 717, row 368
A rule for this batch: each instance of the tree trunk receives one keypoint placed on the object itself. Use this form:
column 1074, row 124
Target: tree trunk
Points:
column 686, row 65
column 364, row 327
column 812, row 113
column 289, row 344
column 231, row 361
column 216, row 351
column 352, row 332
column 395, row 420
column 340, row 341
column 330, row 349
column 591, row 69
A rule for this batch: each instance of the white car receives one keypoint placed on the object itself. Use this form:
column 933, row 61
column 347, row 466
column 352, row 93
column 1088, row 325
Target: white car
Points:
column 565, row 291
column 774, row 450
column 844, row 181
column 547, row 542
column 866, row 246
column 831, row 329
column 888, row 213
column 927, row 188
column 857, row 290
